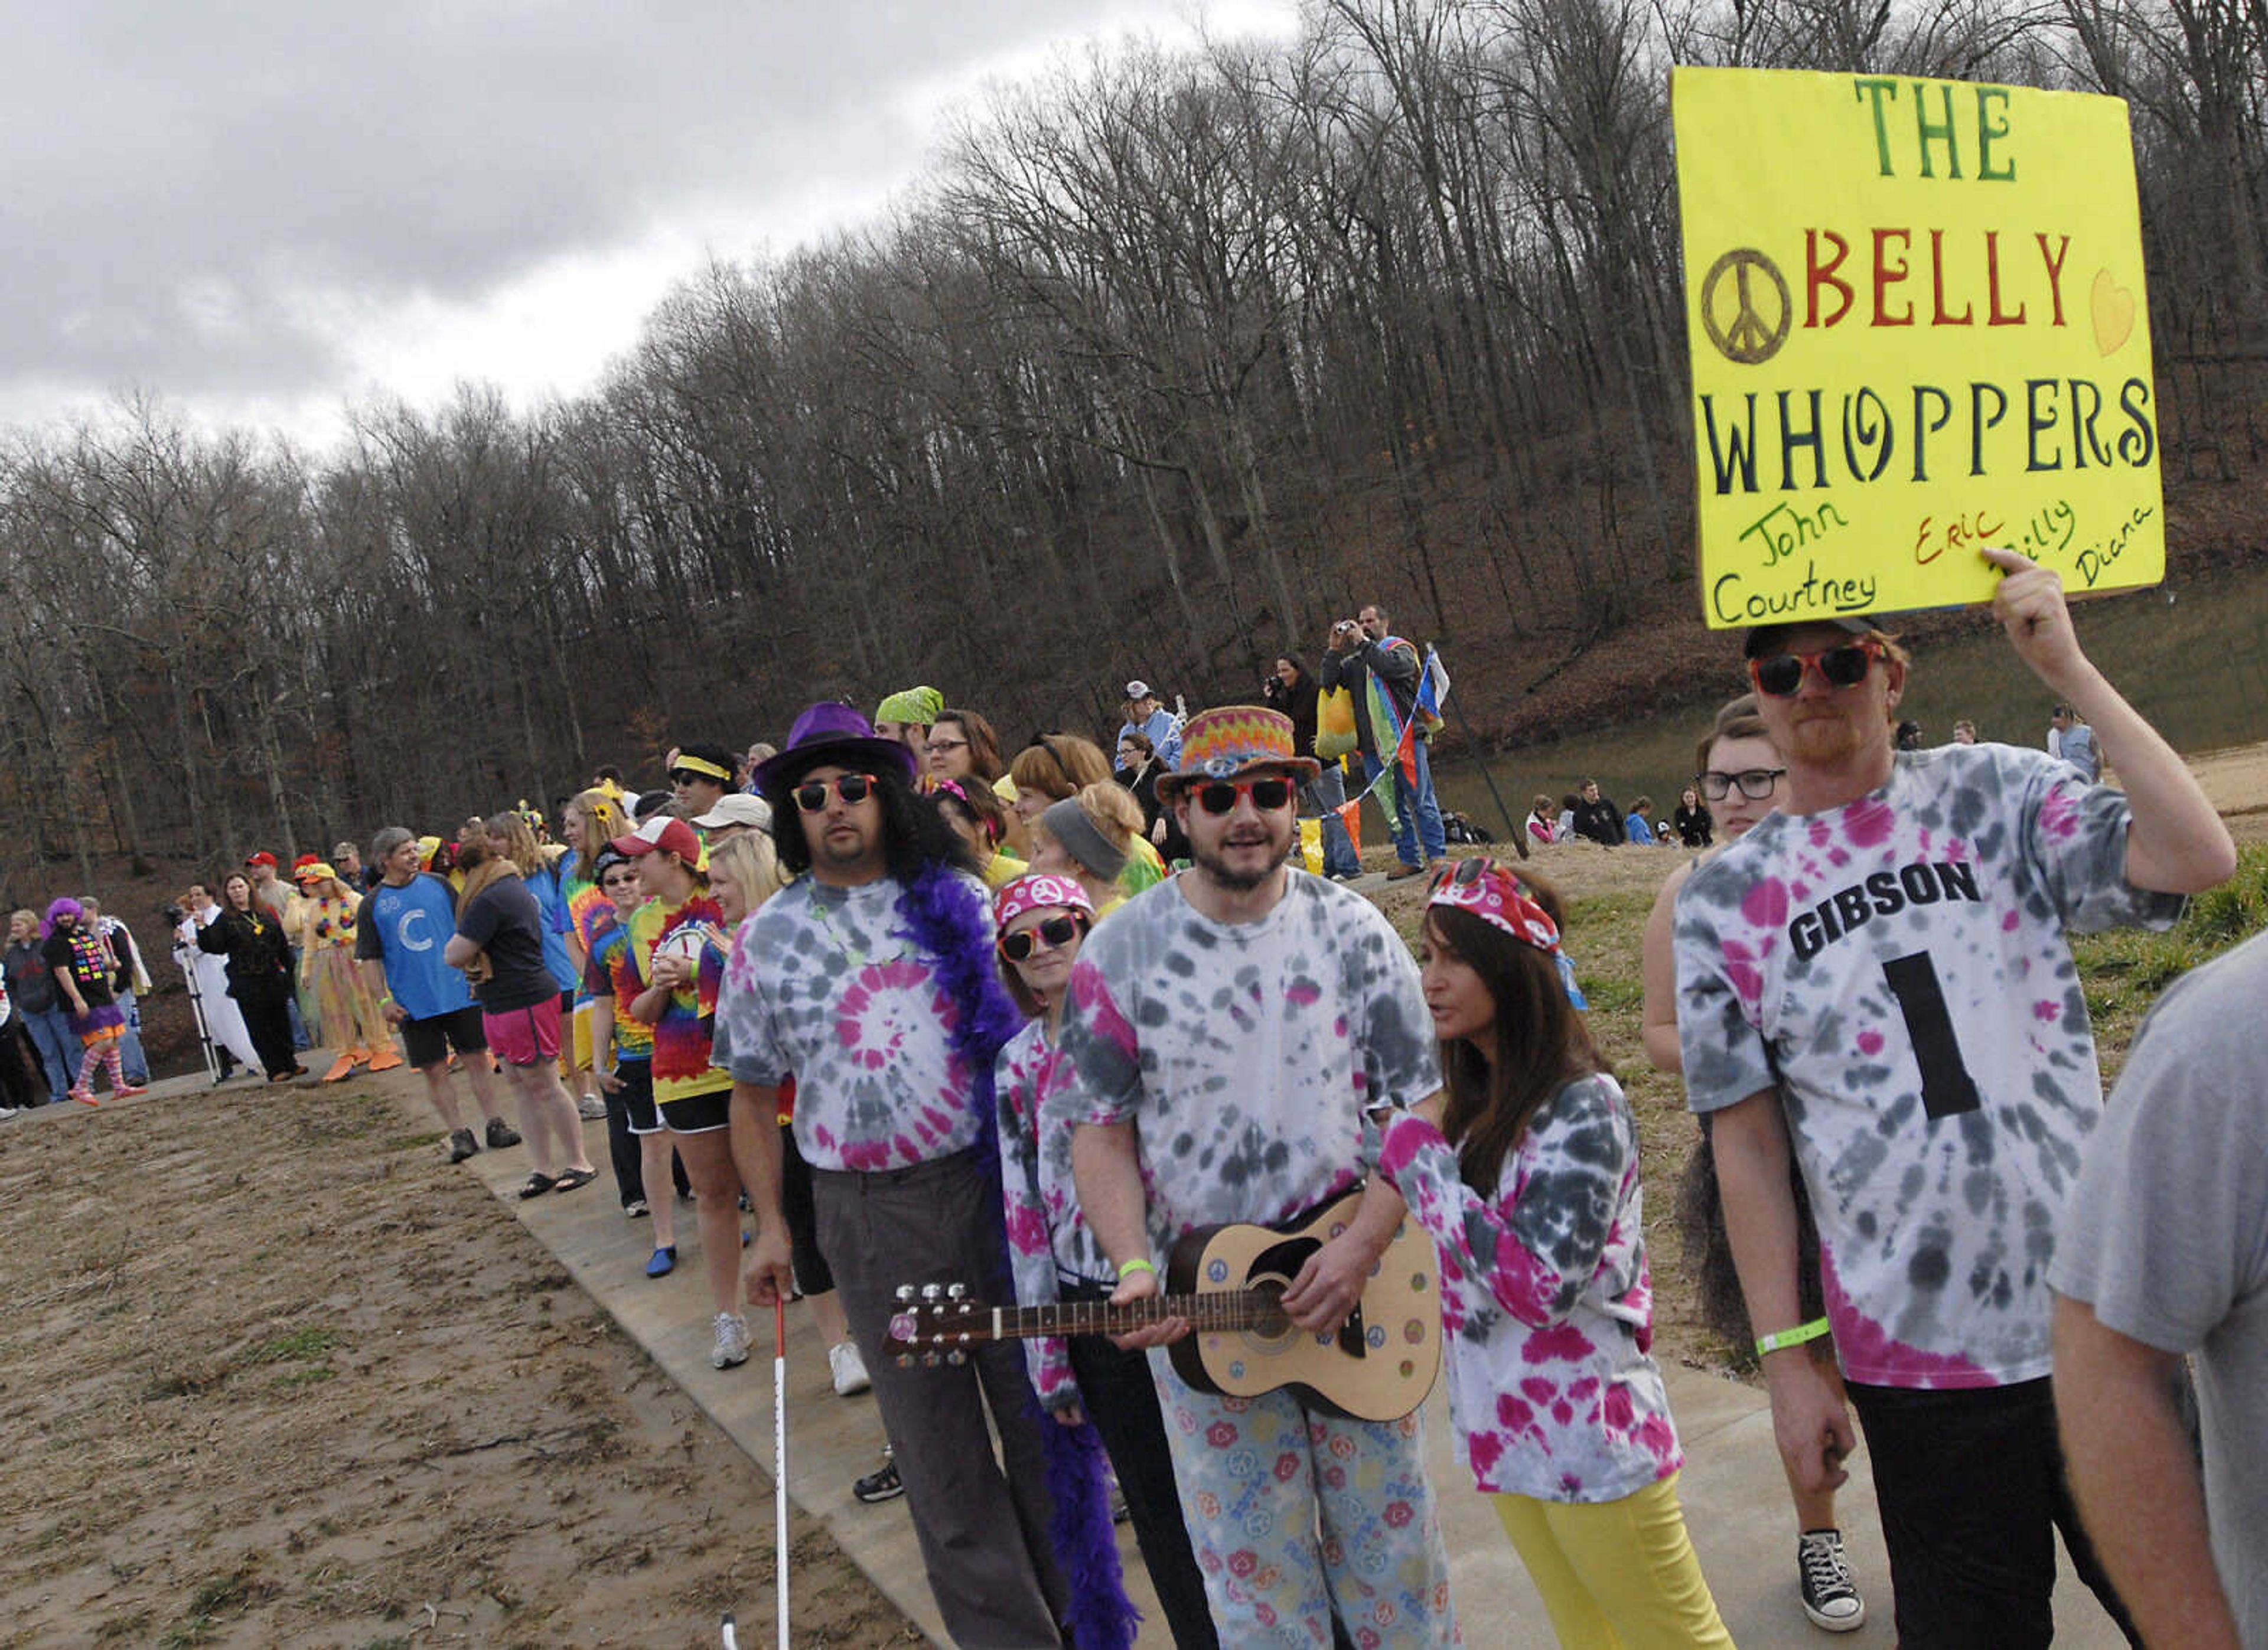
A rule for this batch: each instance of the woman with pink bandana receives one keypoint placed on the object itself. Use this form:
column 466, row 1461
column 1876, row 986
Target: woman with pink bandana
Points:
column 1042, row 920
column 1525, row 1172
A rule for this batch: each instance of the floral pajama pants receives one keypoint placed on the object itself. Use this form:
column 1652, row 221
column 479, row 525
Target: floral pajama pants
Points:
column 1296, row 1514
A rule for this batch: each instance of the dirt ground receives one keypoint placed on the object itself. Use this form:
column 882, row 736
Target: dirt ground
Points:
column 276, row 1375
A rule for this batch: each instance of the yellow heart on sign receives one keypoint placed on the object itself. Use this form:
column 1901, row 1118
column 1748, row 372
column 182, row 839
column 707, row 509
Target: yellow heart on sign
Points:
column 2114, row 313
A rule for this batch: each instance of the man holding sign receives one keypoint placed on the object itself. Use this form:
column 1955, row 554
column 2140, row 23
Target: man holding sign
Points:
column 1877, row 977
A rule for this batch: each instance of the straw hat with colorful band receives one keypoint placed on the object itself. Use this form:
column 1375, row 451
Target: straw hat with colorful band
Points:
column 1492, row 893
column 1231, row 740
column 921, row 706
column 1043, row 890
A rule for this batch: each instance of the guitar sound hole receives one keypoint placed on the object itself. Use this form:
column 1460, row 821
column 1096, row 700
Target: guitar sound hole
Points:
column 1271, row 1324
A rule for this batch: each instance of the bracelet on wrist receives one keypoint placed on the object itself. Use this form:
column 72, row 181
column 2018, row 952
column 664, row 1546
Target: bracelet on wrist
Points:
column 1779, row 1340
column 1140, row 1264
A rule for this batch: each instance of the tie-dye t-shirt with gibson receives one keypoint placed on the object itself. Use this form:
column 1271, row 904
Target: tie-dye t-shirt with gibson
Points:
column 1899, row 967
column 822, row 984
column 1245, row 1052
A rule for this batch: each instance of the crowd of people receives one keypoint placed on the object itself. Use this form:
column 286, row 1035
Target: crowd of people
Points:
column 934, row 1014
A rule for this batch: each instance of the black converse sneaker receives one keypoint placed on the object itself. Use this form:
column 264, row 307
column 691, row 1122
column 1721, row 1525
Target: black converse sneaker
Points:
column 1822, row 1580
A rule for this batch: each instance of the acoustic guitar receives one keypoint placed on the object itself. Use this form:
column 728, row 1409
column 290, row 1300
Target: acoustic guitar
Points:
column 1227, row 1281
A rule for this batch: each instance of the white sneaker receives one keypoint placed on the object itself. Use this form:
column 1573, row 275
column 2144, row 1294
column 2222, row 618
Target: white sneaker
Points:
column 591, row 1108
column 850, row 1369
column 7, row 1112
column 732, row 1348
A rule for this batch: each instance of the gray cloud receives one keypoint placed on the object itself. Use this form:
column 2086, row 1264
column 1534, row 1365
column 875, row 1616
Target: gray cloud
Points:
column 184, row 178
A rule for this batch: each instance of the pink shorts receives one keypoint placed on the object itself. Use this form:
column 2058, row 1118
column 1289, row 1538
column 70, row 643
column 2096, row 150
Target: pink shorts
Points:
column 524, row 1036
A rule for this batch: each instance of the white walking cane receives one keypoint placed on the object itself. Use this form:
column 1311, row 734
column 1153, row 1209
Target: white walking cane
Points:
column 779, row 1456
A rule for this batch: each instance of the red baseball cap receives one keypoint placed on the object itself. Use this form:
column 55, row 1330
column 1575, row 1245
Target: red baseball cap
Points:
column 663, row 831
column 263, row 857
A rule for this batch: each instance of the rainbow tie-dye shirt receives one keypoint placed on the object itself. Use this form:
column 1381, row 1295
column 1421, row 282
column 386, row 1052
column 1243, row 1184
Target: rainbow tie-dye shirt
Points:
column 683, row 1064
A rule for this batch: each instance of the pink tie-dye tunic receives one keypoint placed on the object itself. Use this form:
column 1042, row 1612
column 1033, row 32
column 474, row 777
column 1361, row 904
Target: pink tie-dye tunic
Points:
column 1546, row 1302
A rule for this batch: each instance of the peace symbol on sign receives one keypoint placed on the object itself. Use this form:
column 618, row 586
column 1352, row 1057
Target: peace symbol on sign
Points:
column 1749, row 338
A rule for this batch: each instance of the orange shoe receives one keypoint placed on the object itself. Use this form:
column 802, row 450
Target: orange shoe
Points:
column 341, row 1069
column 385, row 1060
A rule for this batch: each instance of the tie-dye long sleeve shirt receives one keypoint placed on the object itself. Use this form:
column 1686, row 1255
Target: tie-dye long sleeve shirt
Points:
column 1245, row 1052
column 1899, row 967
column 1546, row 1301
column 822, row 984
column 1047, row 1236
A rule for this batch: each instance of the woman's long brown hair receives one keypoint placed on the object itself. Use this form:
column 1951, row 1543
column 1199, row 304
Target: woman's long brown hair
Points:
column 1542, row 1042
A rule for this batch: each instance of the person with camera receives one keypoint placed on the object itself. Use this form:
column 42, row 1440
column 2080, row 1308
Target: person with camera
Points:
column 1289, row 687
column 1383, row 671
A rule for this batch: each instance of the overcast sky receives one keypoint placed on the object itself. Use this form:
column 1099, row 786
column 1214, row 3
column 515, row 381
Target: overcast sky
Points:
column 260, row 213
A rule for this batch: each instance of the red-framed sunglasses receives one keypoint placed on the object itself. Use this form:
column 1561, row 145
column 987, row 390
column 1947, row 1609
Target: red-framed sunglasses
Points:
column 1845, row 664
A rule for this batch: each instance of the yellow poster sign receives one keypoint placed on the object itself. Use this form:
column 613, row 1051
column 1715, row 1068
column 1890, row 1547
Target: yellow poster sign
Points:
column 1917, row 327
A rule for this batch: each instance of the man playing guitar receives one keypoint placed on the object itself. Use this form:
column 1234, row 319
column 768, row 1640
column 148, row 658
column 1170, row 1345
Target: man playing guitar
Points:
column 1242, row 1016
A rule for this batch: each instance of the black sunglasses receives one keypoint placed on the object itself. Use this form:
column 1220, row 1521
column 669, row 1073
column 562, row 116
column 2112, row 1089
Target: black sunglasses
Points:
column 853, row 788
column 1219, row 796
column 1756, row 784
column 1058, row 932
column 1781, row 675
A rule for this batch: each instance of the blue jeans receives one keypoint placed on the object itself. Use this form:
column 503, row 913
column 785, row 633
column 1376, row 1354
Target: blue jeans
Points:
column 59, row 1048
column 1417, row 815
column 1322, row 800
column 133, row 1064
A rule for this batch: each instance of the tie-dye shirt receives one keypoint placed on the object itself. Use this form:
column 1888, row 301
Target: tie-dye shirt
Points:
column 1047, row 1236
column 822, row 984
column 1546, row 1301
column 1245, row 1052
column 611, row 970
column 684, row 1063
column 1899, row 965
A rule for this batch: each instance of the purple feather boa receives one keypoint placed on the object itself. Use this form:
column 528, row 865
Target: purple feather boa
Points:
column 945, row 919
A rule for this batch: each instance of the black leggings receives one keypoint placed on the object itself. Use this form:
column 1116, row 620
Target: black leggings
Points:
column 271, row 1026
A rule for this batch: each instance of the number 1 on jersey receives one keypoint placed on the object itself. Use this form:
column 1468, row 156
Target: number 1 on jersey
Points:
column 1946, row 1087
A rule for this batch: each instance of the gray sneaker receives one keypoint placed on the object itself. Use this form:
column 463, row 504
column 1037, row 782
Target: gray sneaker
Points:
column 462, row 1145
column 590, row 1107
column 502, row 1134
column 732, row 1348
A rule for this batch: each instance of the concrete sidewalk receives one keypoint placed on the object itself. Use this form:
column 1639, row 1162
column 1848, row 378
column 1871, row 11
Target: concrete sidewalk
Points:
column 1735, row 1500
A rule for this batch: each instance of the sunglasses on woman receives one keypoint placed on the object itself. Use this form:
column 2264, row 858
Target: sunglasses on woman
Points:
column 1756, row 784
column 1219, row 796
column 1846, row 665
column 1055, row 932
column 853, row 788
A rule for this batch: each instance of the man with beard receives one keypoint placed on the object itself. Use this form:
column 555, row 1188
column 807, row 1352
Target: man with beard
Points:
column 872, row 981
column 1224, row 1033
column 1877, row 975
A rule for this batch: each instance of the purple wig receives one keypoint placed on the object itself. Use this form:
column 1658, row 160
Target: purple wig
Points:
column 64, row 907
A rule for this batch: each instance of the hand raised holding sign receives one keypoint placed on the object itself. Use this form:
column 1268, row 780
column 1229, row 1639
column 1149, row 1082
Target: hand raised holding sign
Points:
column 2030, row 606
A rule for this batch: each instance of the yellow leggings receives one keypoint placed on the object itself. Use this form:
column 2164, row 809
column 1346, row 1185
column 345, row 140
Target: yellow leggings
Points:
column 1616, row 1575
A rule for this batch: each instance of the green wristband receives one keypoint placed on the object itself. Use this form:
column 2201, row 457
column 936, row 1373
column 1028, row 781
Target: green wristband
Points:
column 1137, row 1266
column 1780, row 1339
